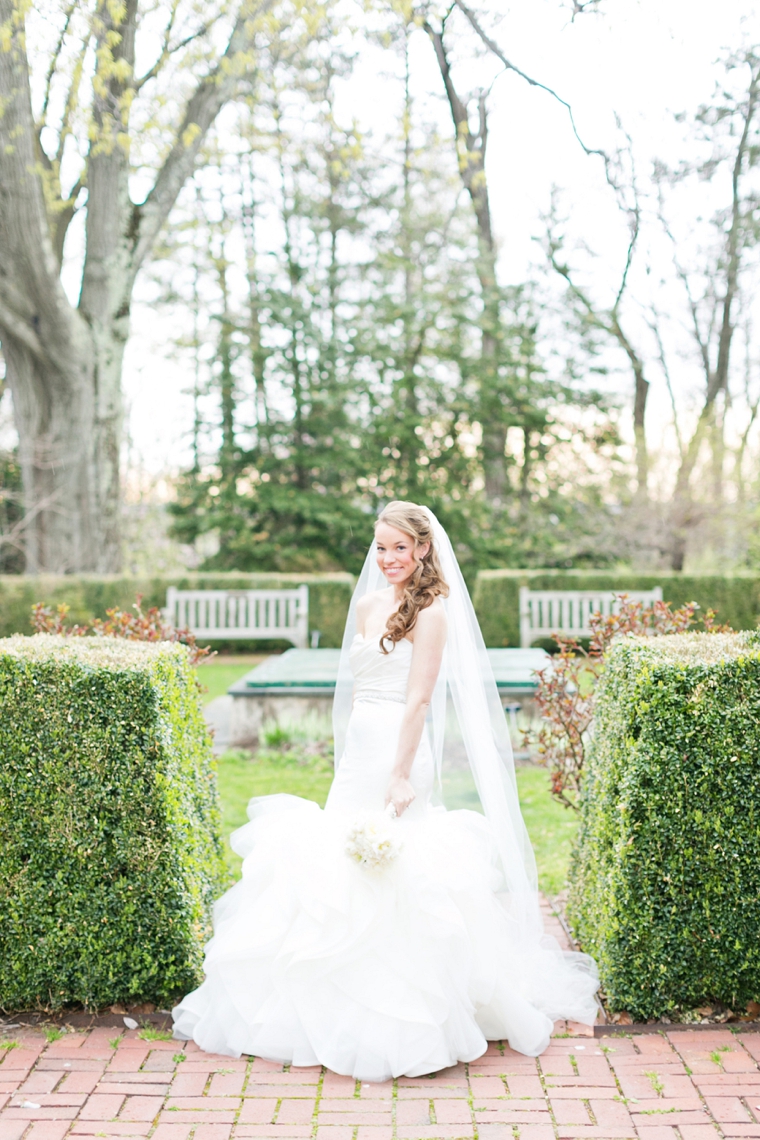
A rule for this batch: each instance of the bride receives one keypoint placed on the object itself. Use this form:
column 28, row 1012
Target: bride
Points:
column 386, row 935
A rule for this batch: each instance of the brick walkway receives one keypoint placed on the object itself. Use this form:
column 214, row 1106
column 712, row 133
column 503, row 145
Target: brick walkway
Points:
column 687, row 1086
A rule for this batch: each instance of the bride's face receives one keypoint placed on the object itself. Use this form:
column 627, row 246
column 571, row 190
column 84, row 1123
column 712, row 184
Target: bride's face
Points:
column 397, row 554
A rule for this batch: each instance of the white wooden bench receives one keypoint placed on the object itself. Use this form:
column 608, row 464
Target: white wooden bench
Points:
column 546, row 612
column 243, row 615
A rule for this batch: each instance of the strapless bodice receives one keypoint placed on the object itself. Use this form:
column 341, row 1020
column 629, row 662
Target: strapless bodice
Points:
column 377, row 674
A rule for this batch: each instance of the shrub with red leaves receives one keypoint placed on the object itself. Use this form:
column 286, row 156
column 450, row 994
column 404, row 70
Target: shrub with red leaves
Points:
column 134, row 625
column 566, row 690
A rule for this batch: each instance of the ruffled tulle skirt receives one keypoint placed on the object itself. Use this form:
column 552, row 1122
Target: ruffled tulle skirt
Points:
column 408, row 969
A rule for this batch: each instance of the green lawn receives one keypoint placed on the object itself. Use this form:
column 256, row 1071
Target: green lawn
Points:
column 220, row 673
column 551, row 827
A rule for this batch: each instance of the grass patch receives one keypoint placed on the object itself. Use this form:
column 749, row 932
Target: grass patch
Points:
column 298, row 767
column 150, row 1033
column 551, row 828
column 217, row 676
column 655, row 1082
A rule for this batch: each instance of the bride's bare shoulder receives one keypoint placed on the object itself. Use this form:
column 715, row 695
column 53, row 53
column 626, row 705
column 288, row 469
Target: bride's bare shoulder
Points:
column 368, row 602
column 433, row 618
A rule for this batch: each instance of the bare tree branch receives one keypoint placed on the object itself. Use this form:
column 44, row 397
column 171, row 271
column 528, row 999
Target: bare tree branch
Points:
column 201, row 110
column 471, row 148
column 66, row 212
column 28, row 258
column 72, row 99
column 509, row 66
column 717, row 378
column 54, row 63
column 14, row 536
column 167, row 49
column 654, row 324
column 609, row 321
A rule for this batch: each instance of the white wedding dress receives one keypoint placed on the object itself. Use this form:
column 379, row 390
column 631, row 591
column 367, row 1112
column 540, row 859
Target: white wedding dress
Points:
column 406, row 969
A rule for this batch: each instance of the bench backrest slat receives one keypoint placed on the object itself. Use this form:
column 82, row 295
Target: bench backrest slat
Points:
column 546, row 612
column 243, row 615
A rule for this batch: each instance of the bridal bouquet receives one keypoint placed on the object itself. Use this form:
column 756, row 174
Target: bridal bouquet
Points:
column 373, row 841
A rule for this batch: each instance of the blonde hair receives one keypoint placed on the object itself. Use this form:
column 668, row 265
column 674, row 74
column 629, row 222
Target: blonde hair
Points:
column 426, row 583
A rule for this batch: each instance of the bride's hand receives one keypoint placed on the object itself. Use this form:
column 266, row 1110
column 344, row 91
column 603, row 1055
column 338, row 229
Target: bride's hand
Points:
column 400, row 793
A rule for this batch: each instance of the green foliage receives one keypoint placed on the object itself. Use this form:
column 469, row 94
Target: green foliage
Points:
column 665, row 883
column 11, row 512
column 150, row 1033
column 374, row 356
column 216, row 676
column 89, row 597
column 110, row 855
column 266, row 773
column 735, row 598
column 551, row 828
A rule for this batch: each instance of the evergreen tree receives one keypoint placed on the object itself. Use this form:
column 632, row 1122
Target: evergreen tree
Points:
column 348, row 361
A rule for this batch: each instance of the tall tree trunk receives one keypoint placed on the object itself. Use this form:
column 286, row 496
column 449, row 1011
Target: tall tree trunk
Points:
column 257, row 350
column 69, row 424
column 64, row 363
column 471, row 155
column 226, row 377
column 683, row 512
column 640, row 393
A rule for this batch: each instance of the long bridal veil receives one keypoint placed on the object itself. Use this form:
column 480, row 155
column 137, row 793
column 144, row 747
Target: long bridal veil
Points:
column 475, row 769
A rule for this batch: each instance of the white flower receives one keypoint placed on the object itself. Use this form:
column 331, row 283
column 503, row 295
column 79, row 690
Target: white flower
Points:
column 373, row 841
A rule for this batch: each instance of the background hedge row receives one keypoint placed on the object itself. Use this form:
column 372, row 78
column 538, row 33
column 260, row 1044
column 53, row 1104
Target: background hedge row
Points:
column 496, row 596
column 110, row 849
column 736, row 598
column 90, row 597
column 665, row 886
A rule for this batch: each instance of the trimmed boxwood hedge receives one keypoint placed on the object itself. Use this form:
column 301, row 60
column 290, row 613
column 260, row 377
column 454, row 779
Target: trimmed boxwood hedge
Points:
column 89, row 597
column 110, row 848
column 665, row 883
column 496, row 596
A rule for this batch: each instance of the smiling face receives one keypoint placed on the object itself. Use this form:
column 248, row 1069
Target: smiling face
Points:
column 397, row 555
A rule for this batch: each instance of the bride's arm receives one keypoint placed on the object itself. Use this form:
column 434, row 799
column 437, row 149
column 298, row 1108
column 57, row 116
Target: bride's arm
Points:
column 429, row 641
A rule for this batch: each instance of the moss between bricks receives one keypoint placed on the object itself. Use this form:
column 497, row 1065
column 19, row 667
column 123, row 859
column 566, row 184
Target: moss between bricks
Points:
column 665, row 882
column 110, row 848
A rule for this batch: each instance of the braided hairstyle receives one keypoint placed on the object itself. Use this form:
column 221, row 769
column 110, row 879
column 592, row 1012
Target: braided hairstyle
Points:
column 426, row 583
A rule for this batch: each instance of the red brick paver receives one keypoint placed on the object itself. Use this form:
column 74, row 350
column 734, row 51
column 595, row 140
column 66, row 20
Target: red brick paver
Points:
column 686, row 1085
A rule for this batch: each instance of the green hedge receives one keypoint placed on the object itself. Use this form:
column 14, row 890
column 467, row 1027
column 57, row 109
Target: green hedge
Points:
column 496, row 596
column 110, row 849
column 90, row 597
column 665, row 886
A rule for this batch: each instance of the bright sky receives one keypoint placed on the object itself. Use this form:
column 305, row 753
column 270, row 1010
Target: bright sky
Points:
column 641, row 59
